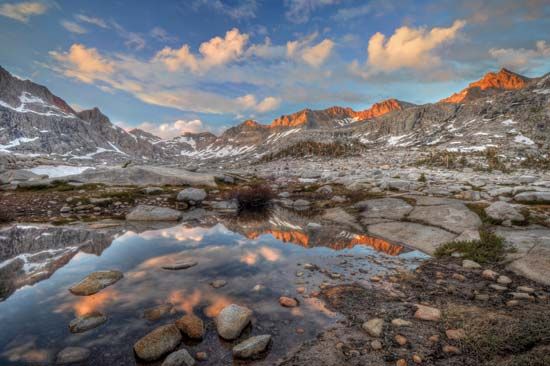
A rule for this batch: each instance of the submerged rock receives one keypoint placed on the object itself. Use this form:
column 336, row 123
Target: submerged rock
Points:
column 218, row 283
column 288, row 302
column 87, row 322
column 157, row 312
column 252, row 346
column 96, row 282
column 183, row 264
column 191, row 325
column 179, row 358
column 232, row 320
column 72, row 355
column 158, row 342
column 153, row 213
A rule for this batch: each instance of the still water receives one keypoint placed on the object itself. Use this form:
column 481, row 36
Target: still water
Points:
column 261, row 258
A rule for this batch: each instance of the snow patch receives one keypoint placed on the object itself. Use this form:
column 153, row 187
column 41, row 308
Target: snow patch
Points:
column 54, row 171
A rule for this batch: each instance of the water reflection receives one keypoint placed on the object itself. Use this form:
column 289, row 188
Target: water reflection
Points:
column 254, row 256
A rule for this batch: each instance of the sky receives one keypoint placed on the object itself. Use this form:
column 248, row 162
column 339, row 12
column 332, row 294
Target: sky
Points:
column 176, row 66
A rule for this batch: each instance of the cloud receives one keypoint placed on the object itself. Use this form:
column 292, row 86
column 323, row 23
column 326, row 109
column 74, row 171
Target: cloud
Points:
column 268, row 104
column 243, row 9
column 217, row 51
column 521, row 58
column 73, row 27
column 85, row 64
column 313, row 55
column 409, row 47
column 299, row 11
column 132, row 40
column 162, row 35
column 92, row 20
column 22, row 11
column 170, row 130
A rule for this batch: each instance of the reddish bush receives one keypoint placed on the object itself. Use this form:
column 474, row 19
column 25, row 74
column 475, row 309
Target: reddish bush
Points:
column 254, row 197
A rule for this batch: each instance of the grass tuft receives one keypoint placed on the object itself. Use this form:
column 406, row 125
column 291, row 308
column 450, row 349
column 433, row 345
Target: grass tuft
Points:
column 489, row 249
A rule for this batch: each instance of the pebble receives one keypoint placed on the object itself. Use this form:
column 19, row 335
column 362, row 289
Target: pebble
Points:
column 504, row 280
column 87, row 322
column 401, row 323
column 288, row 302
column 455, row 334
column 218, row 283
column 252, row 346
column 521, row 296
column 374, row 327
column 526, row 289
column 179, row 358
column 401, row 362
column 489, row 275
column 201, row 356
column 417, row 359
column 458, row 277
column 451, row 349
column 376, row 345
column 232, row 320
column 72, row 355
column 498, row 287
column 469, row 264
column 401, row 340
column 427, row 313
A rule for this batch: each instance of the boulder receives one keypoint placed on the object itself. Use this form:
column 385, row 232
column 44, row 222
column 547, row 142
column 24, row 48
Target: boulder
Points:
column 388, row 208
column 252, row 346
column 157, row 343
column 502, row 211
column 153, row 213
column 191, row 325
column 157, row 312
column 455, row 218
column 232, row 320
column 96, row 282
column 533, row 197
column 192, row 195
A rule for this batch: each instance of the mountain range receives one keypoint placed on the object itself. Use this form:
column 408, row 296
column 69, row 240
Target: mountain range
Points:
column 503, row 109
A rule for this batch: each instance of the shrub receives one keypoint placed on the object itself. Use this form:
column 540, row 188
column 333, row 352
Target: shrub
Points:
column 422, row 178
column 5, row 217
column 253, row 197
column 489, row 249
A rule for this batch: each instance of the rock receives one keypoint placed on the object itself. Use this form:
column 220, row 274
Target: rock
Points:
column 232, row 320
column 157, row 312
column 504, row 280
column 374, row 327
column 225, row 206
column 401, row 323
column 416, row 359
column 288, row 302
column 95, row 282
column 65, row 209
column 201, row 356
column 191, row 325
column 87, row 322
column 72, row 355
column 400, row 339
column 498, row 287
column 451, row 349
column 401, row 362
column 160, row 341
column 326, row 190
column 521, row 296
column 218, row 283
column 192, row 195
column 526, row 289
column 153, row 213
column 301, row 203
column 468, row 235
column 152, row 190
column 179, row 358
column 533, row 197
column 455, row 218
column 252, row 346
column 489, row 275
column 502, row 211
column 182, row 264
column 469, row 264
column 376, row 345
column 388, row 208
column 455, row 334
column 422, row 237
column 427, row 313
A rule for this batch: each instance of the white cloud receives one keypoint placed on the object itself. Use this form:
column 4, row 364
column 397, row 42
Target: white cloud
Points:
column 268, row 104
column 243, row 9
column 132, row 40
column 73, row 27
column 22, row 11
column 169, row 130
column 410, row 47
column 162, row 35
column 217, row 51
column 92, row 20
column 313, row 55
column 85, row 64
column 521, row 58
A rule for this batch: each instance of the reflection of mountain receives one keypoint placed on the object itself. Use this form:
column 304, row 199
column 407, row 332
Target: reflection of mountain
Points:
column 290, row 227
column 29, row 254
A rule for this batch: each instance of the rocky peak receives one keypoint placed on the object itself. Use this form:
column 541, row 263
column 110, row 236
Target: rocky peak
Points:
column 490, row 83
column 381, row 108
column 94, row 115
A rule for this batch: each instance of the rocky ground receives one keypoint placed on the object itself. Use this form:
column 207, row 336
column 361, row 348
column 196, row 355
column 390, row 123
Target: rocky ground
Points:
column 471, row 306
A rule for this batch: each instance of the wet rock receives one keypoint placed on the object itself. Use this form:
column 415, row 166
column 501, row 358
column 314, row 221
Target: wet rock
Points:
column 288, row 302
column 179, row 358
column 157, row 312
column 427, row 313
column 218, row 283
column 502, row 211
column 87, row 322
column 455, row 334
column 191, row 195
column 96, row 282
column 252, row 346
column 232, row 320
column 153, row 213
column 374, row 327
column 182, row 264
column 455, row 218
column 469, row 264
column 191, row 325
column 158, row 342
column 72, row 355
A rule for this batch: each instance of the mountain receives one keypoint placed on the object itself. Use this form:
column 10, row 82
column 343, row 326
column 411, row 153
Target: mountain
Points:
column 492, row 83
column 35, row 122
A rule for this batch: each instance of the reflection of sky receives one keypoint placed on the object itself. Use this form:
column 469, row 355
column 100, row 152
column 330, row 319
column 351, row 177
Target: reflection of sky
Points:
column 45, row 309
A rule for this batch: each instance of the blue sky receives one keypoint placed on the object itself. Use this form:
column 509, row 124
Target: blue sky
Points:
column 176, row 66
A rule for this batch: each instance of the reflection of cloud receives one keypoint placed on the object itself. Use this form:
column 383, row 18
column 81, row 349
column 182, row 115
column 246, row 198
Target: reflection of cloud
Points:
column 269, row 254
column 82, row 305
column 26, row 352
column 249, row 258
column 184, row 302
column 217, row 304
